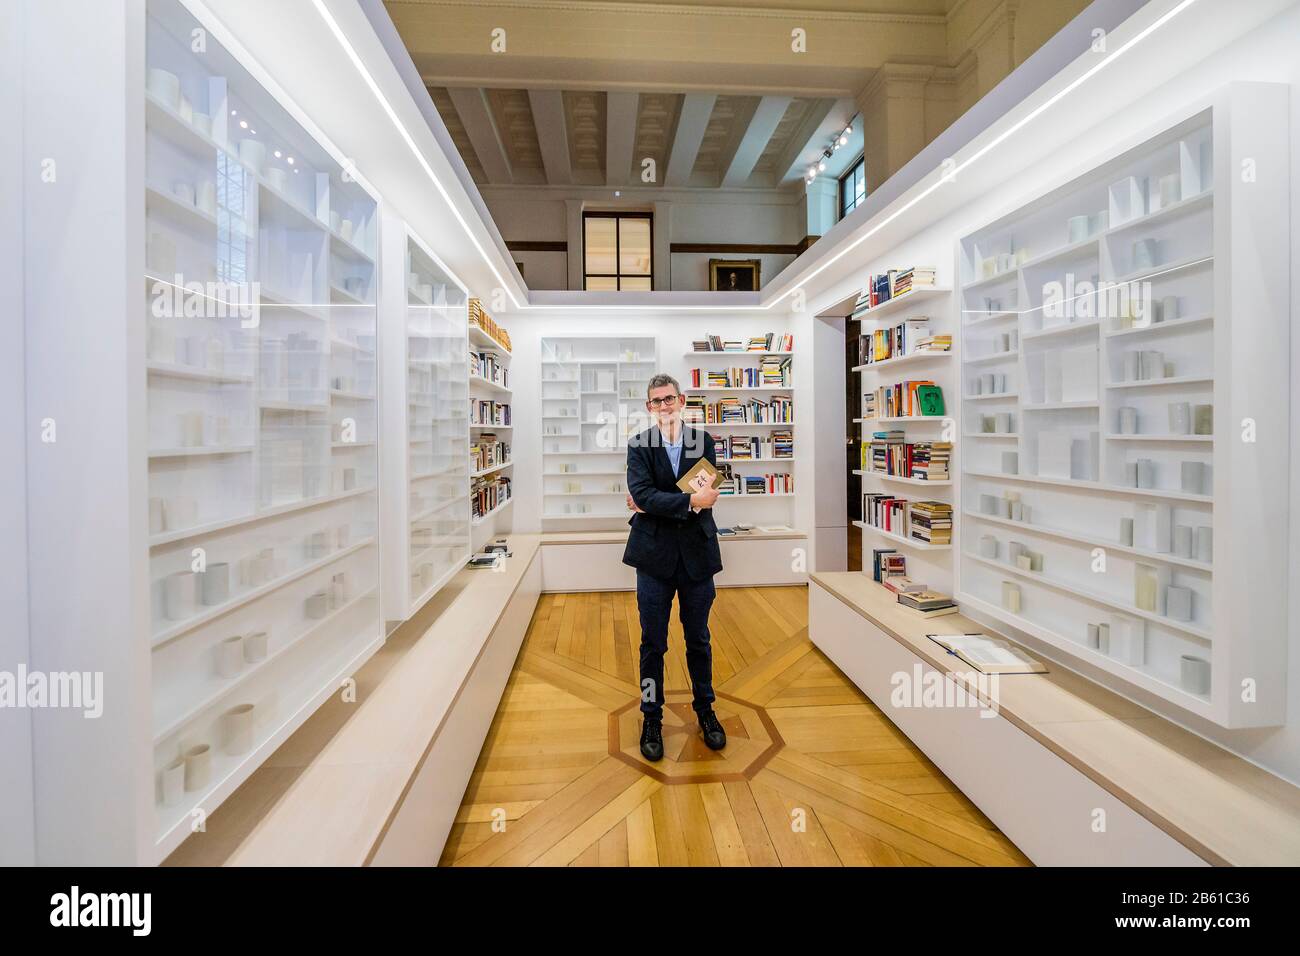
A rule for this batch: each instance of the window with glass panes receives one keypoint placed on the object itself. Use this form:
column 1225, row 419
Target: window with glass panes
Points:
column 617, row 251
column 853, row 187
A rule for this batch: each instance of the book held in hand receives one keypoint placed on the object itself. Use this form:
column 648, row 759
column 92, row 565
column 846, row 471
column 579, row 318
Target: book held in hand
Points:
column 702, row 475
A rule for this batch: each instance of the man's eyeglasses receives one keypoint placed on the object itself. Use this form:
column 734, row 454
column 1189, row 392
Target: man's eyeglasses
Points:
column 668, row 401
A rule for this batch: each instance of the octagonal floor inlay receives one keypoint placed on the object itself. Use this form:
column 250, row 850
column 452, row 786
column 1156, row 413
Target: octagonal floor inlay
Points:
column 752, row 739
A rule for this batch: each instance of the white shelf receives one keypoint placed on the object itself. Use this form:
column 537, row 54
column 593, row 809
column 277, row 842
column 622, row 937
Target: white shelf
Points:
column 1172, row 382
column 1000, row 435
column 1095, row 597
column 196, row 374
column 160, row 203
column 485, row 342
column 787, row 389
column 1058, row 406
column 901, row 418
column 899, row 479
column 1061, row 330
column 910, row 542
column 918, row 294
column 490, row 469
column 709, row 425
column 1157, row 328
column 490, row 385
column 992, row 397
column 1096, row 486
column 1092, row 541
column 755, row 461
column 910, row 359
column 499, row 508
column 156, row 454
column 1195, row 439
column 986, row 317
column 199, row 531
column 994, row 358
column 491, row 427
column 178, row 628
column 732, row 354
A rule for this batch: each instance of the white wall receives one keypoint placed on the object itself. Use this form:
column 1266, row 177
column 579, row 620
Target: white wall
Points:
column 17, row 824
column 1266, row 54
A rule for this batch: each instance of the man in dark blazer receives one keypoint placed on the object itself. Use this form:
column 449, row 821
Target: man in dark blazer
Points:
column 673, row 545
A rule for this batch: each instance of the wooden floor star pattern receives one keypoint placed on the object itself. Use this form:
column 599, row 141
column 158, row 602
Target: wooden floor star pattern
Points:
column 813, row 773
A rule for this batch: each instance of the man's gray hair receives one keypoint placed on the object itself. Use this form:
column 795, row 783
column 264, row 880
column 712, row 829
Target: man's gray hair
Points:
column 659, row 381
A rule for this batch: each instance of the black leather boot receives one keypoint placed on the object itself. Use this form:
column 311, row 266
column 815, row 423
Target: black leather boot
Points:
column 715, row 738
column 652, row 738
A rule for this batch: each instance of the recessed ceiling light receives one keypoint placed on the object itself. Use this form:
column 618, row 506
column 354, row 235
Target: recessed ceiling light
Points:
column 243, row 124
column 821, row 166
column 844, row 140
column 234, row 112
column 290, row 160
column 277, row 154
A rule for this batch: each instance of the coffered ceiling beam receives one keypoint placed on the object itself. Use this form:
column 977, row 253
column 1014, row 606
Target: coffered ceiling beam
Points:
column 552, row 135
column 692, row 120
column 620, row 136
column 758, row 133
column 476, row 116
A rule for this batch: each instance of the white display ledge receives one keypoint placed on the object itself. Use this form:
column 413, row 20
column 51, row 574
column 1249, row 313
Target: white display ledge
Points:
column 738, row 388
column 1005, row 436
column 341, row 296
column 1057, row 406
column 168, row 725
column 732, row 354
column 486, row 515
column 194, row 373
column 923, row 482
column 918, row 294
column 1058, row 330
column 901, row 418
column 1092, row 541
column 909, row 359
column 479, row 337
column 160, row 203
column 1155, row 272
column 1171, row 382
column 169, row 634
column 490, row 469
column 488, row 384
column 1155, row 328
column 199, row 451
column 755, row 461
column 1056, row 584
column 991, row 397
column 910, row 542
column 429, row 512
column 1097, row 486
column 985, row 317
column 347, row 396
column 198, row 531
column 992, row 359
column 707, row 425
column 229, row 772
column 1196, row 439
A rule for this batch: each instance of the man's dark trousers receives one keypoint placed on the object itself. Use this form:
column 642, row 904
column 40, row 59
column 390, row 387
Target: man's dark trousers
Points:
column 654, row 598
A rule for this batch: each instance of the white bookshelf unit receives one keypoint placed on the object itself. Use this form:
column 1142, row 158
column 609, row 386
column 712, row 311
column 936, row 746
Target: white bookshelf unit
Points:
column 774, row 505
column 592, row 399
column 259, row 305
column 1114, row 347
column 491, row 461
column 437, row 425
column 927, row 562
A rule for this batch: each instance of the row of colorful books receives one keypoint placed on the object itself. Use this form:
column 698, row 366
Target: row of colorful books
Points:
column 772, row 372
column 775, row 484
column 775, row 447
column 488, row 493
column 488, row 365
column 888, row 453
column 478, row 316
column 487, row 450
column 909, row 399
column 771, row 342
column 928, row 521
column 909, row 337
column 698, row 411
column 890, row 285
column 487, row 412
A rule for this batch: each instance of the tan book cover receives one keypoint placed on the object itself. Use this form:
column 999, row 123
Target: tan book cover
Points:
column 989, row 655
column 701, row 476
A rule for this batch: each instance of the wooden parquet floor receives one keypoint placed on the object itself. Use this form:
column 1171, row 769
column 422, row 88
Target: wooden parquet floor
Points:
column 813, row 773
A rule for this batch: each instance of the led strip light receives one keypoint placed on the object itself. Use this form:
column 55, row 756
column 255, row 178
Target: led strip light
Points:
column 943, row 180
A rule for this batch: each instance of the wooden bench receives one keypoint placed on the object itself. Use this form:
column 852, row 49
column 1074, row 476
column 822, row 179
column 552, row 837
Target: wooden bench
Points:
column 1072, row 773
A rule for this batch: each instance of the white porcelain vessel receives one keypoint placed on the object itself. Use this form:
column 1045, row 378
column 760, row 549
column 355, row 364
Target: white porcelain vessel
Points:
column 198, row 767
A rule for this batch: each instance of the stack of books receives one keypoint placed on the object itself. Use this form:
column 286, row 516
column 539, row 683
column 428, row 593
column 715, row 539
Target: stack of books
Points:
column 928, row 603
column 783, row 444
column 779, row 409
column 758, row 485
column 774, row 372
column 890, row 285
column 931, row 522
column 930, row 460
column 771, row 373
column 488, row 365
column 893, row 342
column 771, row 342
